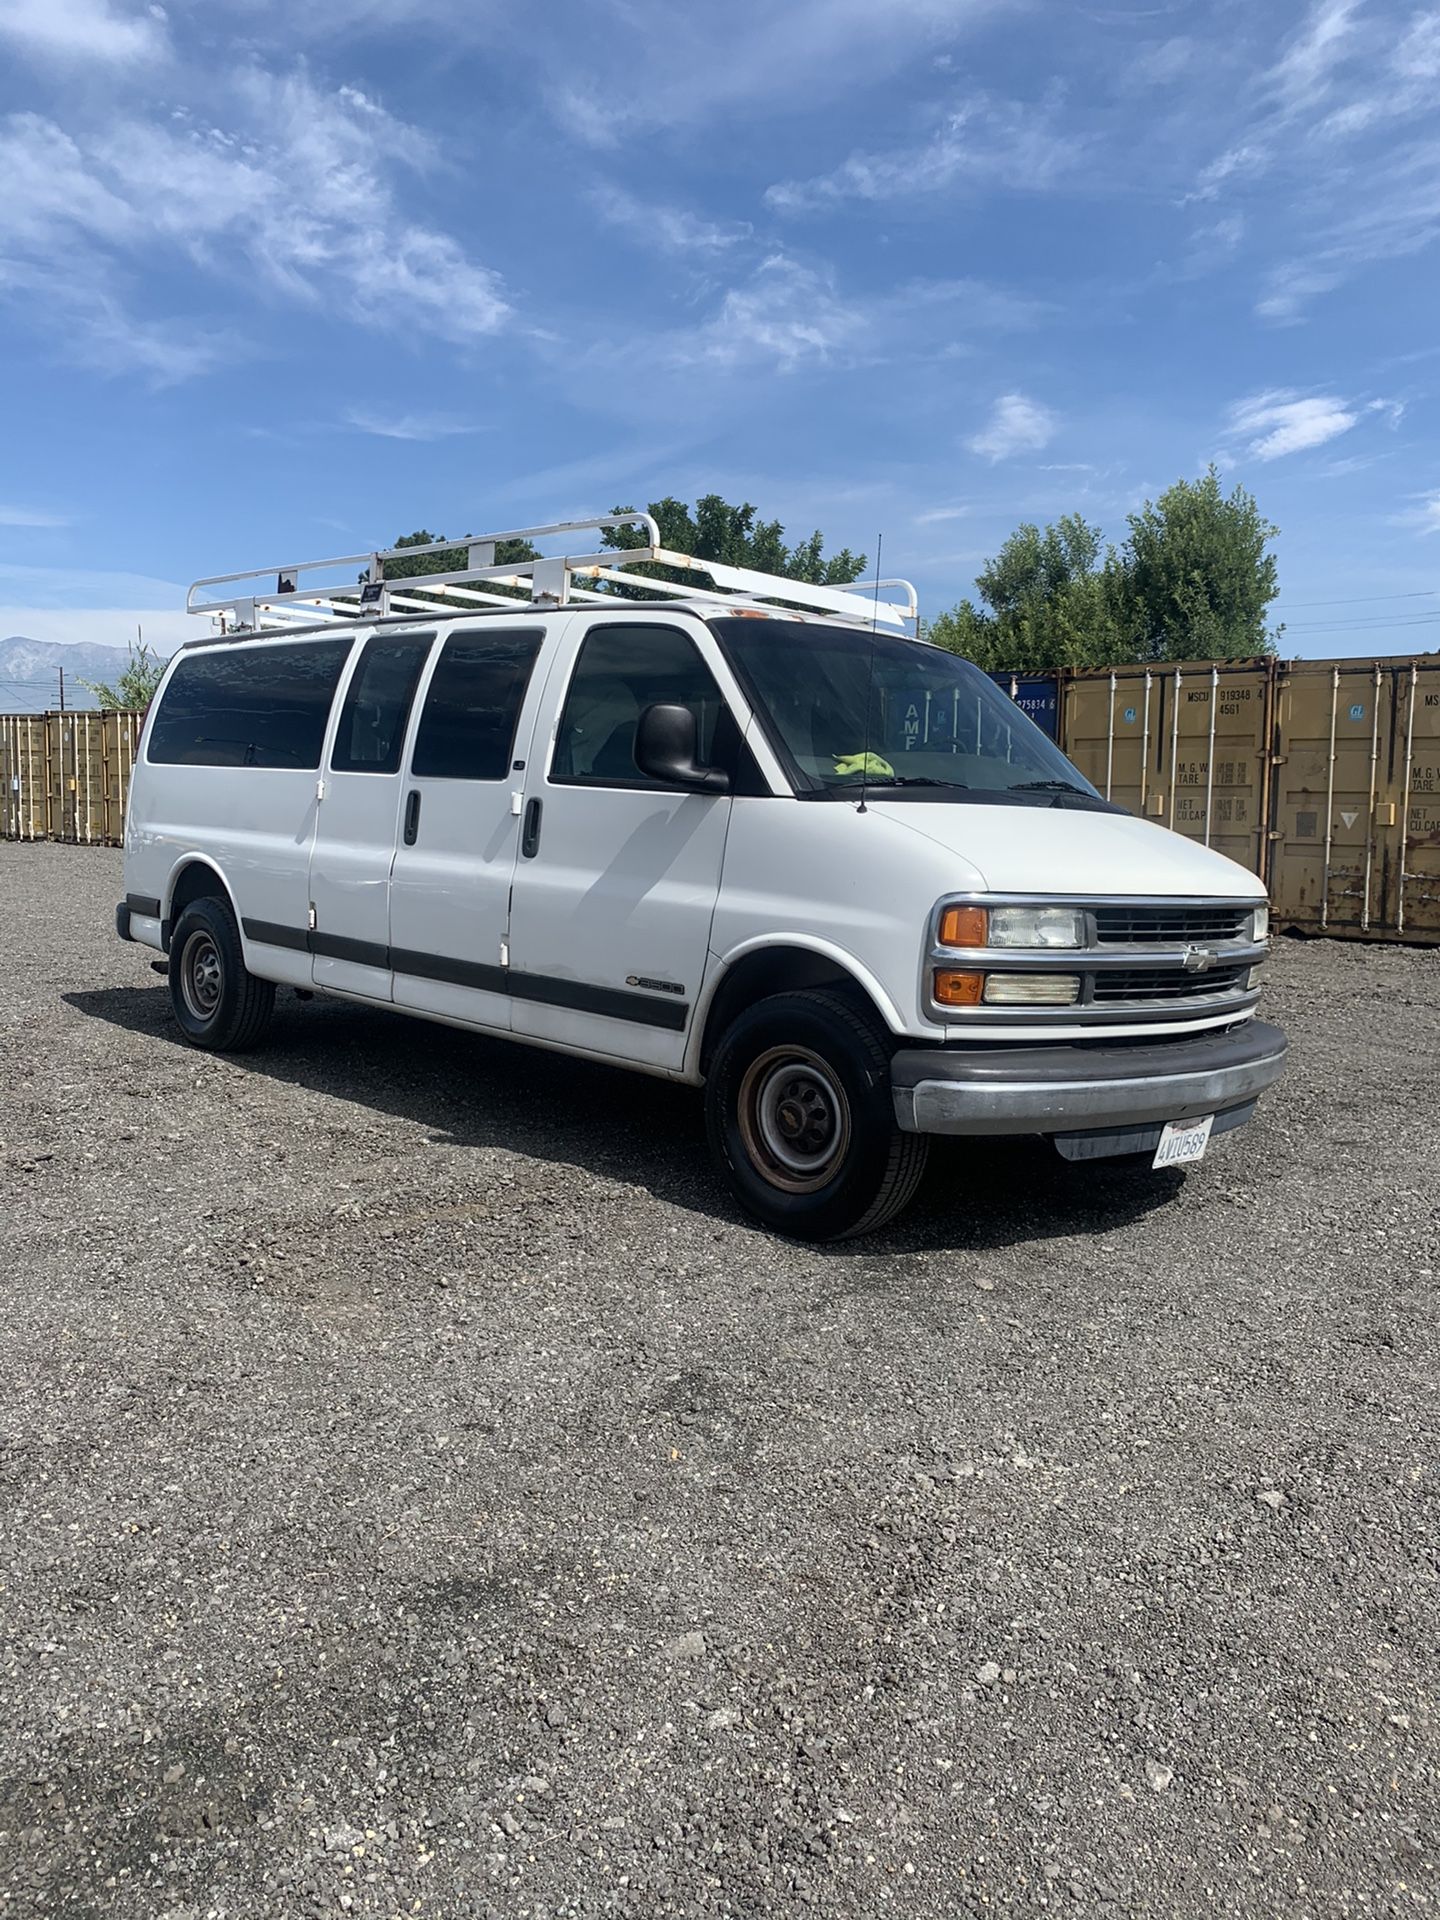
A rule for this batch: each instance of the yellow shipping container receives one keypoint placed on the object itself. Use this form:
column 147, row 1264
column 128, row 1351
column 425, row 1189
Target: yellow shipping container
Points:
column 1357, row 798
column 1187, row 746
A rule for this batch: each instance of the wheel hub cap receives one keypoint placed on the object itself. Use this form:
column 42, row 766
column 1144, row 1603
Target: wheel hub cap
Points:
column 794, row 1119
column 201, row 975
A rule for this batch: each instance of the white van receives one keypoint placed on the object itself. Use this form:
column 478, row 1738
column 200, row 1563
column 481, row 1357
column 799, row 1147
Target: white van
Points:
column 725, row 828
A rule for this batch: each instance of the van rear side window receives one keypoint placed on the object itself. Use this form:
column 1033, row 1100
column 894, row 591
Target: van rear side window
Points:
column 248, row 707
column 467, row 725
column 377, row 705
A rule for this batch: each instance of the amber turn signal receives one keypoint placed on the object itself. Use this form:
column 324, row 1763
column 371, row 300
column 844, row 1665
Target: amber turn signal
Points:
column 955, row 989
column 964, row 927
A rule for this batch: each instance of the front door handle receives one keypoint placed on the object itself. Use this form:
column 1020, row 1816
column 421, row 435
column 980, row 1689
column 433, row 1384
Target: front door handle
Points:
column 412, row 816
column 530, row 833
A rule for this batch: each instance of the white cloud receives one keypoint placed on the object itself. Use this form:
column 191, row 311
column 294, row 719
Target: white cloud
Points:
column 98, row 331
column 940, row 513
column 84, row 30
column 408, row 426
column 1425, row 517
column 1161, row 64
column 310, row 212
column 667, row 229
column 1016, row 425
column 786, row 314
column 649, row 63
column 1289, row 287
column 1340, row 127
column 1267, row 426
column 30, row 517
column 1236, row 163
column 986, row 143
column 1304, row 71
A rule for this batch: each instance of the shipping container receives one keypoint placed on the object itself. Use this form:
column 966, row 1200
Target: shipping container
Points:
column 1185, row 745
column 64, row 776
column 1356, row 846
column 1036, row 694
column 24, row 776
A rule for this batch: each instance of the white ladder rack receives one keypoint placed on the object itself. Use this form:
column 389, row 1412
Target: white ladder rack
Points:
column 551, row 581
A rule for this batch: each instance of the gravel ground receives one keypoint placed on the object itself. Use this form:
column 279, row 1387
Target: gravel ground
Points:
column 423, row 1494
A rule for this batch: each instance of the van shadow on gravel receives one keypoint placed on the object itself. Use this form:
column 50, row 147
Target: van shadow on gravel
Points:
column 620, row 1125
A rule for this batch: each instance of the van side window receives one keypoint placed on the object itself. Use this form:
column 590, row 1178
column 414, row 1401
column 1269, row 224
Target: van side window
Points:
column 377, row 703
column 263, row 706
column 621, row 671
column 467, row 726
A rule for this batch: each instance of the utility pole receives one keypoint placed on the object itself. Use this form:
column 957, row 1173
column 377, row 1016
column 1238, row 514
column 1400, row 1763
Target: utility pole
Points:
column 62, row 689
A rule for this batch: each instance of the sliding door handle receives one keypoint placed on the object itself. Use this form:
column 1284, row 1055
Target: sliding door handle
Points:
column 412, row 816
column 530, row 832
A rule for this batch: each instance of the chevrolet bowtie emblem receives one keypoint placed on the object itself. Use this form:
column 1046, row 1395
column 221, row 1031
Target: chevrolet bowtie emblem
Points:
column 1197, row 959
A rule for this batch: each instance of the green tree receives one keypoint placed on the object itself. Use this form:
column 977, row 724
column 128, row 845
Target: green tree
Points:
column 1192, row 581
column 135, row 686
column 1054, row 599
column 735, row 536
column 1198, row 579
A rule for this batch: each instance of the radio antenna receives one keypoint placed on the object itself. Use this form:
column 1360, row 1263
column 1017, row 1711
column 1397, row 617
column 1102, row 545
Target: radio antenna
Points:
column 870, row 678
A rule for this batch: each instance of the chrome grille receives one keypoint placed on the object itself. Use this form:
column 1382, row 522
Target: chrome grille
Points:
column 1145, row 985
column 1152, row 926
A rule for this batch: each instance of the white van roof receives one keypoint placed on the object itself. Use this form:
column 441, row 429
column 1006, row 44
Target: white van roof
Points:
column 302, row 597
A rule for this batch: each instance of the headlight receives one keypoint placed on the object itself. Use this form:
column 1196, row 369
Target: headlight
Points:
column 1260, row 923
column 975, row 927
column 1037, row 927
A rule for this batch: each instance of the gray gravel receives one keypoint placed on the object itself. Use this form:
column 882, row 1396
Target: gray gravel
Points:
column 423, row 1494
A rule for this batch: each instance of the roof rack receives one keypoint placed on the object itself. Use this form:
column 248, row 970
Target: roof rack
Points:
column 299, row 599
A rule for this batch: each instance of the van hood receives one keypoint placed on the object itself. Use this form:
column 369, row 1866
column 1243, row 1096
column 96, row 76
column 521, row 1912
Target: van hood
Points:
column 1073, row 853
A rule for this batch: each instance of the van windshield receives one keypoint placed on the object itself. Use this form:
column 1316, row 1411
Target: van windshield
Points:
column 935, row 726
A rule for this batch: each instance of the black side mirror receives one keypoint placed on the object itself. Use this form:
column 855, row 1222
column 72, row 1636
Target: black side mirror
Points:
column 665, row 750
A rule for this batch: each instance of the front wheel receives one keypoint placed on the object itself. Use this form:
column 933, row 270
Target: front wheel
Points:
column 219, row 1004
column 799, row 1114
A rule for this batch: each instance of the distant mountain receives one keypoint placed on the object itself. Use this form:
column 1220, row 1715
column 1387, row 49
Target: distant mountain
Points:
column 30, row 672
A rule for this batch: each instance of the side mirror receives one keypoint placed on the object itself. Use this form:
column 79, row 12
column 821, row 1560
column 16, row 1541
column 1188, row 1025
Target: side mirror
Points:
column 665, row 750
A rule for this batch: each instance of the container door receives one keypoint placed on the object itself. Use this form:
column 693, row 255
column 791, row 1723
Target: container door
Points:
column 1110, row 729
column 1186, row 746
column 460, row 826
column 355, row 831
column 1336, row 722
column 618, row 877
column 1412, row 904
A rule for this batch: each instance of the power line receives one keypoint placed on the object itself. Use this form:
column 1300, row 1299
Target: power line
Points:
column 1358, row 626
column 1366, row 599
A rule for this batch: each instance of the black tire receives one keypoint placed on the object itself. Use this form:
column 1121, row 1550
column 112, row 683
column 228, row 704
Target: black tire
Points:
column 218, row 1004
column 800, row 1117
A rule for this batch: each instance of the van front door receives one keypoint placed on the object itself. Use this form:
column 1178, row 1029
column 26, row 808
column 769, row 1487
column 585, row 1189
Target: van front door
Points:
column 618, row 874
column 355, row 831
column 460, row 826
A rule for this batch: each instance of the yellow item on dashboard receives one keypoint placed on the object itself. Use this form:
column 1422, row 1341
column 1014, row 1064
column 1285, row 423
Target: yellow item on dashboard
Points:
column 864, row 763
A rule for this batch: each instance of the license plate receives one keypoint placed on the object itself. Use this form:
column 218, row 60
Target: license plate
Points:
column 1183, row 1140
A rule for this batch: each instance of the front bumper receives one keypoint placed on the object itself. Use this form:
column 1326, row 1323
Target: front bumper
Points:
column 1085, row 1087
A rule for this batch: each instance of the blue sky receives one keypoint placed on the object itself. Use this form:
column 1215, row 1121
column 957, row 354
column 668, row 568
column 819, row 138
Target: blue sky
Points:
column 281, row 281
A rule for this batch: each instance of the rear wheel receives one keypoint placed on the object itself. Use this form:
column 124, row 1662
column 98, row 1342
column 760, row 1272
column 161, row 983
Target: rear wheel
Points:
column 799, row 1114
column 219, row 1005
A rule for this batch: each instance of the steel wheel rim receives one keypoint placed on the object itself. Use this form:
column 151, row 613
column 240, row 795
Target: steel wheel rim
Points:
column 202, row 975
column 794, row 1119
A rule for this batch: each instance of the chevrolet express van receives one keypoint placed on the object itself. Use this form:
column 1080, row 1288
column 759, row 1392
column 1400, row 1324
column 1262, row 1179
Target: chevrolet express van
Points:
column 747, row 834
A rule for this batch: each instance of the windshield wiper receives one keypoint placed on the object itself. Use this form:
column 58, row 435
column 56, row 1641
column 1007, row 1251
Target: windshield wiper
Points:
column 911, row 780
column 1050, row 786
